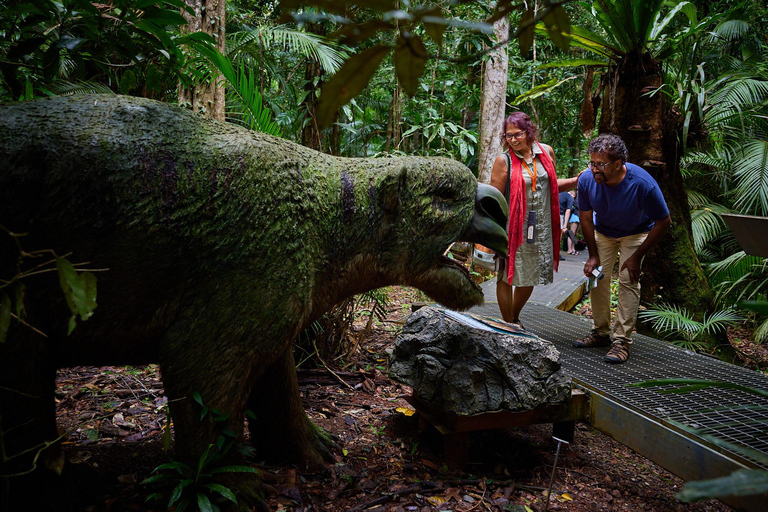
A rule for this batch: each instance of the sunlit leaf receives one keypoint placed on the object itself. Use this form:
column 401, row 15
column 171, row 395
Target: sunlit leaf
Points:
column 349, row 81
column 436, row 500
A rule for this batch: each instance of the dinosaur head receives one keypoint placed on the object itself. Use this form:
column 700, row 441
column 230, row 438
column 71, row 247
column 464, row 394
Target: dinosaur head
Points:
column 427, row 204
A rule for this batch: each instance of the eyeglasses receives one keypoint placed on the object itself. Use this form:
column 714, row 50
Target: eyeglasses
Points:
column 518, row 135
column 601, row 167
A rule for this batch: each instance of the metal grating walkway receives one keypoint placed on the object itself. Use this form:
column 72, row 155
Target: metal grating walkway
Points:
column 733, row 416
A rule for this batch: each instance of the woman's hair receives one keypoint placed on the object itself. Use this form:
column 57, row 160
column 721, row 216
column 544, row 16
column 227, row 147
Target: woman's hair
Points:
column 522, row 121
column 609, row 145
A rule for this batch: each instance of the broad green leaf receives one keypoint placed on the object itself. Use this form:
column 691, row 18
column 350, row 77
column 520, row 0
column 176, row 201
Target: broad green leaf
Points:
column 21, row 291
column 759, row 306
column 434, row 24
column 224, row 491
column 204, row 503
column 67, row 278
column 540, row 90
column 573, row 63
column 235, row 469
column 355, row 33
column 5, row 316
column 338, row 6
column 178, row 491
column 745, row 482
column 558, row 26
column 349, row 81
column 525, row 32
column 410, row 60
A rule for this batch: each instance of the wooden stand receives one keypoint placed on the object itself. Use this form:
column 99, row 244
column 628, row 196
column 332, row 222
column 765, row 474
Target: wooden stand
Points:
column 456, row 428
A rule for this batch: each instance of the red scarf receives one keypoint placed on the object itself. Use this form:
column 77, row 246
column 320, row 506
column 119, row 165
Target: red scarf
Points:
column 517, row 207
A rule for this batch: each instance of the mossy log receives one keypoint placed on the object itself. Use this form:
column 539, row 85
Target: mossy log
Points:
column 217, row 246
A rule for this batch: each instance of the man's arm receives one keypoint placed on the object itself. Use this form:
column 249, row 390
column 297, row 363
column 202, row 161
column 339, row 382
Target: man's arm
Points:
column 632, row 264
column 588, row 230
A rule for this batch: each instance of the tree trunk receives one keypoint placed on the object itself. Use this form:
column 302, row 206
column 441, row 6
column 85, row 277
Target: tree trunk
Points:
column 311, row 135
column 394, row 128
column 493, row 102
column 672, row 270
column 209, row 17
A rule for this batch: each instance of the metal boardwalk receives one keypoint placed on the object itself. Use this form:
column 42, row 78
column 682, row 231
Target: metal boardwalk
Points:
column 675, row 430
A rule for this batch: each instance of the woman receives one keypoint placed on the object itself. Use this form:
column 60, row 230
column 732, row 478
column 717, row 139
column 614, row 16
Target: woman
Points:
column 525, row 174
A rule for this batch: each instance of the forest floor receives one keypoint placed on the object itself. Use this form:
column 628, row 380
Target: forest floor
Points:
column 113, row 419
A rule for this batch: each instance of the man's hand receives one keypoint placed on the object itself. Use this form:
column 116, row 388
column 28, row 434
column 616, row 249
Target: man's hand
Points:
column 633, row 268
column 592, row 263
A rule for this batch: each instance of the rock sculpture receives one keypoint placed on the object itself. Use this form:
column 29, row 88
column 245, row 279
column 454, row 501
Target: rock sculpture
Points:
column 466, row 367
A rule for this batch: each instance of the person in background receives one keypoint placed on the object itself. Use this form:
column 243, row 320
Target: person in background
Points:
column 573, row 225
column 630, row 217
column 566, row 208
column 525, row 174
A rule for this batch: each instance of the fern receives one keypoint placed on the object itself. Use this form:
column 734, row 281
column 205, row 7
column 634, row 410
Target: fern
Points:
column 244, row 102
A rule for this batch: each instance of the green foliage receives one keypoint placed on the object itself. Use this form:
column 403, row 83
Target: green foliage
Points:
column 244, row 102
column 195, row 487
column 332, row 336
column 744, row 482
column 407, row 24
column 78, row 287
column 124, row 44
column 675, row 323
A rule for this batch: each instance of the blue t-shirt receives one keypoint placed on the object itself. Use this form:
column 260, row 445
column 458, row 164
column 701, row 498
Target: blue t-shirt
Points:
column 566, row 202
column 628, row 208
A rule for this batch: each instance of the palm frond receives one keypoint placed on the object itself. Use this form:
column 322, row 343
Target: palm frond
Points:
column 729, row 30
column 304, row 43
column 244, row 102
column 761, row 332
column 751, row 174
column 706, row 225
column 670, row 318
column 67, row 87
column 719, row 320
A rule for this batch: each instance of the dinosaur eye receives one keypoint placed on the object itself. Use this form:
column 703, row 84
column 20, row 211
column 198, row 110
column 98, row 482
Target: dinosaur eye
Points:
column 446, row 192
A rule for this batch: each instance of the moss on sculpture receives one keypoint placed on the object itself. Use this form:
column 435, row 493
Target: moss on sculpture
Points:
column 219, row 246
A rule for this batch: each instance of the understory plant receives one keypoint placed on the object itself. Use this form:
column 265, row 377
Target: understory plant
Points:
column 196, row 487
column 678, row 326
column 332, row 337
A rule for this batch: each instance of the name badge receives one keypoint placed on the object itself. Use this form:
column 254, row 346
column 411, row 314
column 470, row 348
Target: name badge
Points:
column 530, row 227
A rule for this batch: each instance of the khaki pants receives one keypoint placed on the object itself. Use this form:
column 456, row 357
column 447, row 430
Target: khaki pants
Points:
column 629, row 293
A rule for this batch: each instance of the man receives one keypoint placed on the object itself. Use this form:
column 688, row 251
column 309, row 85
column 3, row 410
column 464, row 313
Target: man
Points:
column 630, row 217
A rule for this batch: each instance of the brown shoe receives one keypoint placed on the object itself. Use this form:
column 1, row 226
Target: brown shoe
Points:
column 618, row 354
column 594, row 339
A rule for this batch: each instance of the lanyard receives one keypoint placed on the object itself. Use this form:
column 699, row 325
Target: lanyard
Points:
column 532, row 175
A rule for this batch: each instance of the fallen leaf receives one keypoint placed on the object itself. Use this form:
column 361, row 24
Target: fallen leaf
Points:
column 436, row 500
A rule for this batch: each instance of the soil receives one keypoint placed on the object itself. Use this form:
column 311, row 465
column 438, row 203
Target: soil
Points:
column 114, row 420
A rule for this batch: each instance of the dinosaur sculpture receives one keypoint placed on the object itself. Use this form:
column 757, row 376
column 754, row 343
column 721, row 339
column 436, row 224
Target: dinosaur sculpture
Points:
column 216, row 247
